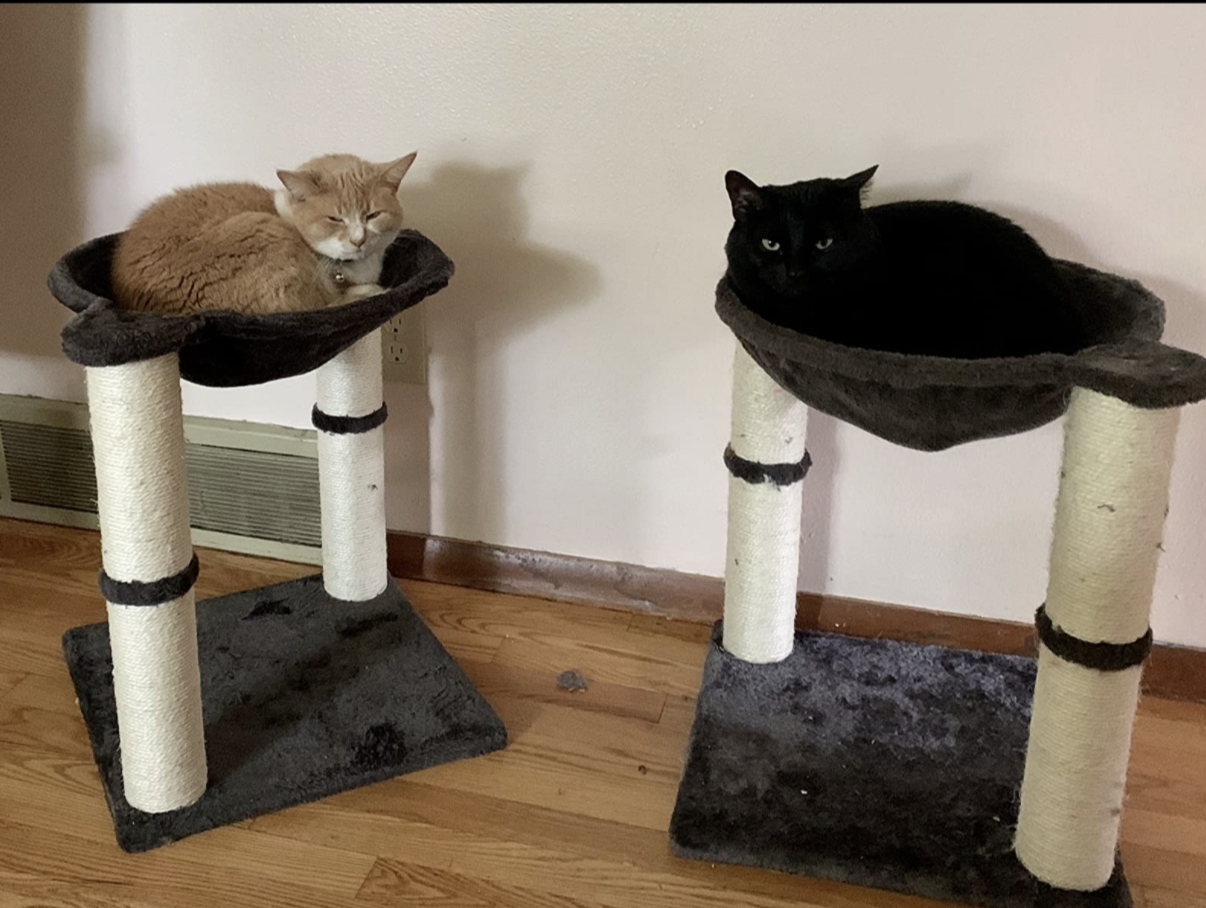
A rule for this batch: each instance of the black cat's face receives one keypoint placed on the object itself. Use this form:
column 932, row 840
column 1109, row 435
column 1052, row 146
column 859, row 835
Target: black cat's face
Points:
column 790, row 239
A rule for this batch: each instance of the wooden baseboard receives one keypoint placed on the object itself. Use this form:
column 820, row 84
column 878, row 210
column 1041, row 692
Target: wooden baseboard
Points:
column 1176, row 672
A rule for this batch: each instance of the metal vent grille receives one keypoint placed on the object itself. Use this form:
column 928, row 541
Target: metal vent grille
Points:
column 251, row 487
column 254, row 493
column 49, row 466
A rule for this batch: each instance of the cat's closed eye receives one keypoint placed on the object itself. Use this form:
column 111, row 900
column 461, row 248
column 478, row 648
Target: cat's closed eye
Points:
column 334, row 220
column 770, row 245
column 373, row 214
column 825, row 243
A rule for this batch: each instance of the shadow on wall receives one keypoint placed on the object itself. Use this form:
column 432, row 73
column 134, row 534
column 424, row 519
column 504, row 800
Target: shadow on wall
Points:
column 41, row 104
column 503, row 286
column 817, row 517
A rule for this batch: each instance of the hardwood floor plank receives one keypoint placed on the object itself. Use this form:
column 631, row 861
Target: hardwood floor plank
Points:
column 659, row 626
column 1166, row 898
column 1183, row 732
column 1167, row 773
column 540, row 772
column 1164, row 868
column 501, row 615
column 41, row 713
column 1176, row 710
column 32, row 644
column 466, row 647
column 401, row 884
column 496, row 819
column 1186, row 835
column 189, row 891
column 413, row 800
column 501, row 680
column 566, row 759
column 564, row 871
column 1160, row 794
column 9, row 680
column 38, row 892
column 247, row 860
column 613, row 662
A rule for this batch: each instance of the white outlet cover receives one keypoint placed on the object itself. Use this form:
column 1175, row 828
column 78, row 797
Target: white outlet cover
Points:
column 404, row 348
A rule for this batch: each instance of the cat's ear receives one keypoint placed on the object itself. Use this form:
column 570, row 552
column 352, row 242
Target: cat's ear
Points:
column 861, row 179
column 300, row 183
column 392, row 174
column 743, row 194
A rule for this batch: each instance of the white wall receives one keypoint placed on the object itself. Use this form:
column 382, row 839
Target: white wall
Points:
column 571, row 162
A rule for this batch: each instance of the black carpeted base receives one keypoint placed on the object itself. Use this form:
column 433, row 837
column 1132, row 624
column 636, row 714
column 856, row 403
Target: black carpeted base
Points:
column 878, row 763
column 304, row 696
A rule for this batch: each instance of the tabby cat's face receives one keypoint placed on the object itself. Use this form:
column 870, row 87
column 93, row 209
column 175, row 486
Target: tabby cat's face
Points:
column 345, row 207
column 788, row 239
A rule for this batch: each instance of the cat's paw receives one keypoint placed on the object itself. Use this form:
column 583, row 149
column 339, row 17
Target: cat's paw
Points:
column 361, row 291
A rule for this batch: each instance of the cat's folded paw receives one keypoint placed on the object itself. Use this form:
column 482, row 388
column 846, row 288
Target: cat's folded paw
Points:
column 361, row 291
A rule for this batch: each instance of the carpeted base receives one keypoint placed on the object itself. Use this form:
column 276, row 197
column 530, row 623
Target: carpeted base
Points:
column 304, row 696
column 878, row 763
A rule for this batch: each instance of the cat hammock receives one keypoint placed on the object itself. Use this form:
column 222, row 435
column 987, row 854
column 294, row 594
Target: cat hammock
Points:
column 947, row 773
column 201, row 717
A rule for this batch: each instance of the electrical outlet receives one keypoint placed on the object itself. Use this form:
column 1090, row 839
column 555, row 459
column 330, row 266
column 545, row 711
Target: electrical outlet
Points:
column 404, row 348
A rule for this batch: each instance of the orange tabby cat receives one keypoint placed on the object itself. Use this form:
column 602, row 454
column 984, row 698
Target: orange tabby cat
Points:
column 317, row 241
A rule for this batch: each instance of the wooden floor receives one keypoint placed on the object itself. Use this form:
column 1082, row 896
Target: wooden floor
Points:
column 573, row 813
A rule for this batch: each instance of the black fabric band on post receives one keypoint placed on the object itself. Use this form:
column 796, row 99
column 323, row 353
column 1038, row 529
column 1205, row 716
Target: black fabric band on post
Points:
column 155, row 592
column 1104, row 657
column 347, row 425
column 780, row 474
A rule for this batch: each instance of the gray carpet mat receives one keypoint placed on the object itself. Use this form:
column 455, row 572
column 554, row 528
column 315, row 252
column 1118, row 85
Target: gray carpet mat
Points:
column 873, row 762
column 304, row 696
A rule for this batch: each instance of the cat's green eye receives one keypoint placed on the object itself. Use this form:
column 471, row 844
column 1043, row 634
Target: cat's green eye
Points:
column 334, row 220
column 770, row 245
column 825, row 243
column 373, row 214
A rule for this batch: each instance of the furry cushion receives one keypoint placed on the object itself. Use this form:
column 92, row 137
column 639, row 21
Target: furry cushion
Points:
column 931, row 403
column 226, row 349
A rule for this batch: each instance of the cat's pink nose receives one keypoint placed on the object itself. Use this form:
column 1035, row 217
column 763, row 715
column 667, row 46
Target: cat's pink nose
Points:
column 357, row 240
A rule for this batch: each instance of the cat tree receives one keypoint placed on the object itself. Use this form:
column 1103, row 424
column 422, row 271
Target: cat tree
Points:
column 900, row 766
column 277, row 695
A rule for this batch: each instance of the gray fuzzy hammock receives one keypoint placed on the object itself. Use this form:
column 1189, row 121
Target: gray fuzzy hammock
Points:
column 931, row 403
column 227, row 349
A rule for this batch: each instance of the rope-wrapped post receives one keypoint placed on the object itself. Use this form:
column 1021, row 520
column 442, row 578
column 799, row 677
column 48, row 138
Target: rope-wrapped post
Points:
column 147, row 580
column 767, row 462
column 1094, row 636
column 349, row 417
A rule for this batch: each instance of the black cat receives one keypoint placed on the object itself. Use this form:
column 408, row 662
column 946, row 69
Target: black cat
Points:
column 936, row 278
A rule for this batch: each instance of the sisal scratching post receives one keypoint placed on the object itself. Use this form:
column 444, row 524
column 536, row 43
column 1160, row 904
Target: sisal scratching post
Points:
column 147, row 580
column 1094, row 636
column 767, row 461
column 351, row 470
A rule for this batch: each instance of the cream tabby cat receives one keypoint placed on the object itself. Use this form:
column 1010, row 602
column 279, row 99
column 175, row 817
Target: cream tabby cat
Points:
column 317, row 241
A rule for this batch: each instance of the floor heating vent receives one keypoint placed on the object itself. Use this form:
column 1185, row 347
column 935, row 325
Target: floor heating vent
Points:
column 252, row 488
